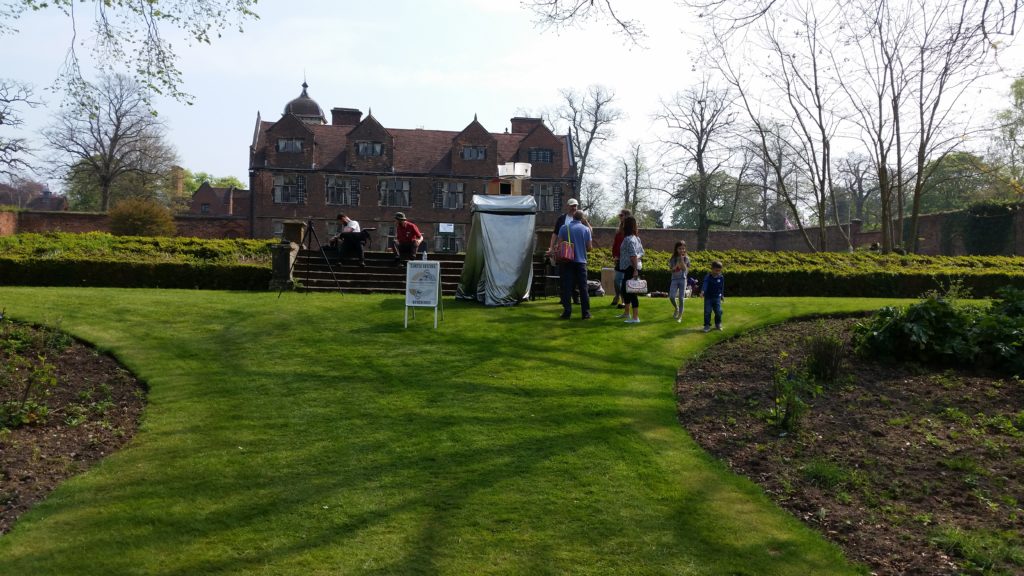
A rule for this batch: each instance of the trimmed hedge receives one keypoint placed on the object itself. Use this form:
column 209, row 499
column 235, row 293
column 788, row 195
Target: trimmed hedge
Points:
column 101, row 259
column 104, row 246
column 863, row 274
column 126, row 274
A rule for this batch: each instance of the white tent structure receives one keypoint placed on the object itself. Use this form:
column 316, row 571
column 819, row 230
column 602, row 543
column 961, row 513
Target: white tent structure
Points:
column 499, row 253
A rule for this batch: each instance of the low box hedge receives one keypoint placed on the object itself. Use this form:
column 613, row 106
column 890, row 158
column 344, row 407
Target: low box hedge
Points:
column 132, row 274
column 860, row 274
column 104, row 246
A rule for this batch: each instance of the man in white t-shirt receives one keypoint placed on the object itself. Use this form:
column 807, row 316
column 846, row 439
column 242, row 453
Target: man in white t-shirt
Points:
column 351, row 236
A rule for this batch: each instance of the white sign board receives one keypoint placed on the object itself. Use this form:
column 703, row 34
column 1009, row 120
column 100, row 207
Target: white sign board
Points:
column 446, row 228
column 422, row 283
column 422, row 287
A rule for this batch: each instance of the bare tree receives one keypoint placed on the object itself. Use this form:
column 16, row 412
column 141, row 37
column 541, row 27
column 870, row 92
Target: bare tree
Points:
column 14, row 150
column 127, row 36
column 633, row 179
column 806, row 82
column 560, row 14
column 854, row 171
column 700, row 119
column 20, row 191
column 1007, row 147
column 109, row 137
column 993, row 17
column 949, row 55
column 589, row 116
column 768, row 135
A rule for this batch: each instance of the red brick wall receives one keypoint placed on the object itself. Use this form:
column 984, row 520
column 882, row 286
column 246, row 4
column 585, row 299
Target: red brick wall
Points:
column 62, row 222
column 8, row 223
column 201, row 227
column 197, row 226
column 930, row 228
column 930, row 231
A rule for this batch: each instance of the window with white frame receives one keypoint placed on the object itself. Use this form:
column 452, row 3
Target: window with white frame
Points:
column 474, row 152
column 277, row 228
column 548, row 197
column 369, row 148
column 344, row 191
column 540, row 155
column 290, row 189
column 289, row 144
column 449, row 238
column 449, row 195
column 394, row 193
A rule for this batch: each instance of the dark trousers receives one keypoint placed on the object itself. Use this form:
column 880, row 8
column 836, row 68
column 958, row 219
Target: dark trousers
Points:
column 627, row 298
column 574, row 276
column 713, row 305
column 405, row 250
column 352, row 245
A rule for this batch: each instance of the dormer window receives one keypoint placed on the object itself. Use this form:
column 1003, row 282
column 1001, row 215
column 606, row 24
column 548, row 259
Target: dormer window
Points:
column 474, row 152
column 369, row 148
column 289, row 144
column 540, row 155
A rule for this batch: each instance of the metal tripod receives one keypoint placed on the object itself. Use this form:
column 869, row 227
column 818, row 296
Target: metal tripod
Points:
column 307, row 238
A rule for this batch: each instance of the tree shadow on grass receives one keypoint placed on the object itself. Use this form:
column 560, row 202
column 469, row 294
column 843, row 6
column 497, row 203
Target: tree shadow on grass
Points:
column 484, row 469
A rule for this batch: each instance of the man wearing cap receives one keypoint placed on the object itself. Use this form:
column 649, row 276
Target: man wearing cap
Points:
column 570, row 209
column 407, row 238
column 574, row 273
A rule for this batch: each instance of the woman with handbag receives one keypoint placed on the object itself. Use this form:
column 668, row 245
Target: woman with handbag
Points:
column 630, row 253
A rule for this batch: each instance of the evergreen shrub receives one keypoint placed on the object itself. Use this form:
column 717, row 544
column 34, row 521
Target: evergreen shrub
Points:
column 141, row 217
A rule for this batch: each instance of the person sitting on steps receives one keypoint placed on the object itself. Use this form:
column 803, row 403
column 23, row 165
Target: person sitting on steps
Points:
column 352, row 238
column 407, row 238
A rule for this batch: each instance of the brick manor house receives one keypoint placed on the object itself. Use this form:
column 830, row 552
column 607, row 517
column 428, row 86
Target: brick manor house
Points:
column 301, row 167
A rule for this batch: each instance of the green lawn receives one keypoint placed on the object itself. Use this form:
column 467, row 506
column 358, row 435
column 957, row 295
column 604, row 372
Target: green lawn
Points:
column 312, row 434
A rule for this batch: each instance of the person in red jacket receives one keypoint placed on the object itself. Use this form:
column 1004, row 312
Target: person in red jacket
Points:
column 407, row 238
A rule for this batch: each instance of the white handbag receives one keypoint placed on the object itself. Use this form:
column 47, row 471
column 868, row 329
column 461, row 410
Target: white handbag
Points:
column 636, row 286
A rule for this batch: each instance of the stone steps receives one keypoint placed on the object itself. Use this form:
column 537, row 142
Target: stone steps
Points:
column 381, row 274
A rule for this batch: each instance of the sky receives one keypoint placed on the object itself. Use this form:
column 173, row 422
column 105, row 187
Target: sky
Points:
column 431, row 64
column 416, row 64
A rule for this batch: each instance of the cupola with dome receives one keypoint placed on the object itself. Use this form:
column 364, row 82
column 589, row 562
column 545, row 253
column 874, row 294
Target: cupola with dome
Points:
column 305, row 108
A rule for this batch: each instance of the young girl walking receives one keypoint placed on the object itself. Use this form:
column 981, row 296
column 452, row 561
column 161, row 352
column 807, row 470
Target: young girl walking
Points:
column 679, row 264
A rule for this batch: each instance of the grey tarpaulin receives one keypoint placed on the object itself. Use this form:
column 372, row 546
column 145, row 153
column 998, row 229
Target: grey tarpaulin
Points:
column 499, row 254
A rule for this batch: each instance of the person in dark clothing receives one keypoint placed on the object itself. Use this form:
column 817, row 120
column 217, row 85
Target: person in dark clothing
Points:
column 574, row 273
column 713, row 289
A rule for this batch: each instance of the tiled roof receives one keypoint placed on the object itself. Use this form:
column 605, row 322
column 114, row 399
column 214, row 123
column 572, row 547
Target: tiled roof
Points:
column 416, row 151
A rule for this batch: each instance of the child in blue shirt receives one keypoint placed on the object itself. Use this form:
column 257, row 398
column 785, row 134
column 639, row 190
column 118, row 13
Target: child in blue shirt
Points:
column 713, row 289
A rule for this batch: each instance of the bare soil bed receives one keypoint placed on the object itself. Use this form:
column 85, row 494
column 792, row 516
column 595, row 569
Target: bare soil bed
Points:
column 82, row 406
column 911, row 470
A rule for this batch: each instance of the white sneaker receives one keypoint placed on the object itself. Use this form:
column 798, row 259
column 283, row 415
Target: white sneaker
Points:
column 719, row 328
column 707, row 328
column 679, row 318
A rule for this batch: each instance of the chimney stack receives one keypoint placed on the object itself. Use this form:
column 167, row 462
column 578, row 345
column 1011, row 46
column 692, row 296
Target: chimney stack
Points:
column 345, row 116
column 522, row 125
